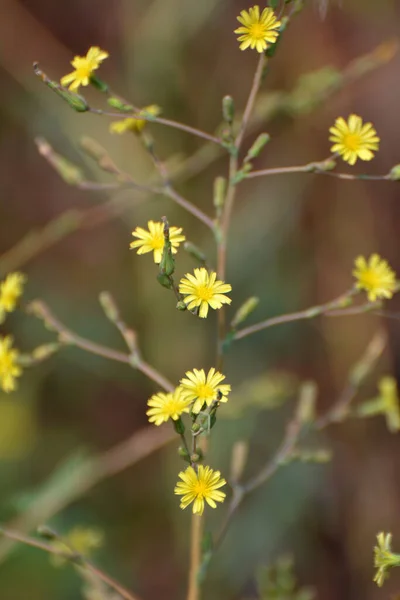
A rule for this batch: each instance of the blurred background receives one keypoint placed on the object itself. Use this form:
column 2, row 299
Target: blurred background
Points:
column 293, row 243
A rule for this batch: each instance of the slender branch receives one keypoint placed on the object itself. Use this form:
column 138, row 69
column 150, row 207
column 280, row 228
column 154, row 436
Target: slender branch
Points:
column 161, row 121
column 79, row 559
column 66, row 336
column 195, row 557
column 313, row 168
column 191, row 208
column 328, row 309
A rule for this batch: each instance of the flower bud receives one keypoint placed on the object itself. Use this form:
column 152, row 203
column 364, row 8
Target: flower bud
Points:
column 257, row 146
column 245, row 311
column 119, row 105
column 179, row 426
column 228, row 109
column 220, row 185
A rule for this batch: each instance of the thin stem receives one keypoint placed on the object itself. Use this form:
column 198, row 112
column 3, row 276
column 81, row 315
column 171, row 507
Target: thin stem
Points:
column 191, row 208
column 160, row 121
column 66, row 336
column 195, row 557
column 313, row 168
column 84, row 563
column 328, row 309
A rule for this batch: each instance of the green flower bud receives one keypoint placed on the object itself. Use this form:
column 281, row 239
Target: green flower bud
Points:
column 179, row 426
column 394, row 174
column 245, row 311
column 228, row 109
column 99, row 84
column 119, row 105
column 257, row 146
column 220, row 185
column 69, row 172
column 307, row 401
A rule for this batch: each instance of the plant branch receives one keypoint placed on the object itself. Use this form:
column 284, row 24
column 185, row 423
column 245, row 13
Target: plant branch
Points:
column 195, row 556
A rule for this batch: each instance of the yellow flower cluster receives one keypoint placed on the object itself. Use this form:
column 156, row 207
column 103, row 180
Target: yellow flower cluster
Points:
column 84, row 67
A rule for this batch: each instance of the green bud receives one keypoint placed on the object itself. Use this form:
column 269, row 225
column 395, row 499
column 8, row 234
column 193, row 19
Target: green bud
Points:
column 109, row 306
column 181, row 305
column 75, row 101
column 167, row 264
column 119, row 105
column 228, row 109
column 245, row 311
column 46, row 532
column 44, row 351
column 307, row 401
column 69, row 172
column 220, row 185
column 240, row 175
column 195, row 427
column 195, row 458
column 179, row 426
column 195, row 252
column 164, row 280
column 99, row 84
column 183, row 453
column 394, row 174
column 257, row 146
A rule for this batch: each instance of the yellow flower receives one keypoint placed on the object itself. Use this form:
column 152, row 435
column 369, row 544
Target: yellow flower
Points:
column 375, row 277
column 258, row 31
column 167, row 406
column 80, row 540
column 203, row 290
column 200, row 486
column 353, row 140
column 202, row 389
column 84, row 67
column 153, row 240
column 384, row 558
column 135, row 125
column 10, row 291
column 9, row 369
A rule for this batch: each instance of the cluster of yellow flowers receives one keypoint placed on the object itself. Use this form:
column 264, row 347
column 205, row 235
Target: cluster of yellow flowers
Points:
column 11, row 290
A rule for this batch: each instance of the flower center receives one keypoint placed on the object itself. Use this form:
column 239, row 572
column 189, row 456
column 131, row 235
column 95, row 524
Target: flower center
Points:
column 205, row 391
column 200, row 489
column 371, row 280
column 257, row 31
column 157, row 241
column 204, row 293
column 352, row 141
column 8, row 299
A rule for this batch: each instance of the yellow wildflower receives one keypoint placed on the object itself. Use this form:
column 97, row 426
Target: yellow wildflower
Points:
column 164, row 406
column 9, row 368
column 203, row 290
column 258, row 31
column 153, row 240
column 200, row 486
column 10, row 291
column 375, row 277
column 353, row 139
column 384, row 558
column 201, row 389
column 84, row 67
column 135, row 125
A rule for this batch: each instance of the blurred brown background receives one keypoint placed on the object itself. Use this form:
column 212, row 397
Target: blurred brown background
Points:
column 293, row 243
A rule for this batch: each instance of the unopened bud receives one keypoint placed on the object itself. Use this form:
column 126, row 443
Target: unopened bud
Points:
column 257, row 146
column 119, row 105
column 195, row 252
column 99, row 84
column 228, row 109
column 245, row 311
column 69, row 172
column 109, row 306
column 183, row 453
column 307, row 401
column 179, row 426
column 44, row 351
column 220, row 185
column 394, row 174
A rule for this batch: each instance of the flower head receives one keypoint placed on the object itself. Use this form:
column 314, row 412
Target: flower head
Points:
column 375, row 277
column 135, row 125
column 200, row 486
column 384, row 558
column 203, row 290
column 164, row 406
column 200, row 388
column 153, row 240
column 258, row 31
column 84, row 67
column 9, row 369
column 80, row 540
column 353, row 140
column 10, row 291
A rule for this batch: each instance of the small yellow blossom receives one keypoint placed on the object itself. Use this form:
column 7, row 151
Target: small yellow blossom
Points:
column 164, row 406
column 258, row 31
column 135, row 125
column 9, row 368
column 200, row 486
column 353, row 139
column 84, row 67
column 153, row 240
column 386, row 403
column 10, row 291
column 384, row 558
column 80, row 540
column 201, row 389
column 203, row 290
column 375, row 277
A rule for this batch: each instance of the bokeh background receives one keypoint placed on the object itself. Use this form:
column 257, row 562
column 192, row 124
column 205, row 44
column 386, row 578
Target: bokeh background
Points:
column 293, row 243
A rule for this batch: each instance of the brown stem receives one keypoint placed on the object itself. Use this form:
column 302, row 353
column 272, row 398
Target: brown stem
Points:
column 195, row 557
column 83, row 563
column 42, row 311
column 313, row 168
